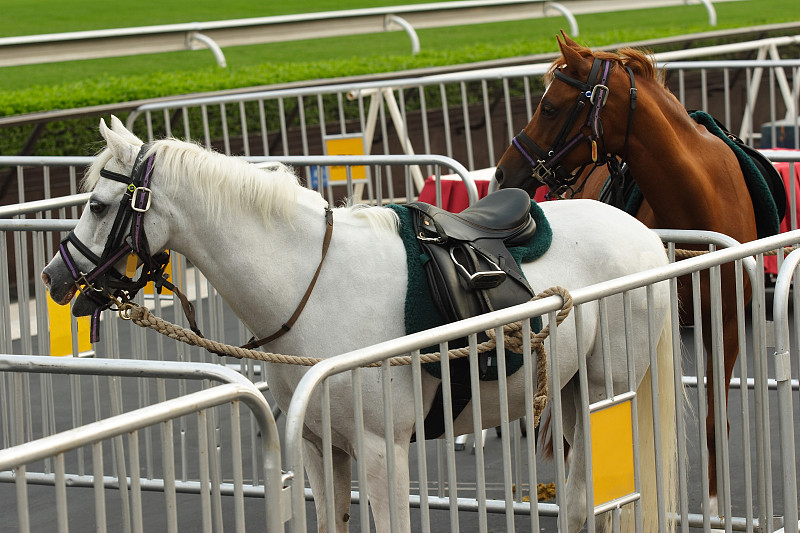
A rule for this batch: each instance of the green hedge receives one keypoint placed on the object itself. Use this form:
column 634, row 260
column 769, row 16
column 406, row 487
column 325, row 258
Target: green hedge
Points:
column 79, row 136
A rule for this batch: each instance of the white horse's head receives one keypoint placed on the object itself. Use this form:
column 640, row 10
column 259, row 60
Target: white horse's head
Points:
column 146, row 197
column 93, row 257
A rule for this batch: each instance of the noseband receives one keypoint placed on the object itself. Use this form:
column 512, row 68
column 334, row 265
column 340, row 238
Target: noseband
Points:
column 104, row 285
column 546, row 165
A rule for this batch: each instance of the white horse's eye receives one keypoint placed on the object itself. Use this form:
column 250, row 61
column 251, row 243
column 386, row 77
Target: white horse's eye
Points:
column 98, row 208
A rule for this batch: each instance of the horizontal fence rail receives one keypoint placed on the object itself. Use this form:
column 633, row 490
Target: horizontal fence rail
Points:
column 755, row 499
column 60, row 455
column 32, row 49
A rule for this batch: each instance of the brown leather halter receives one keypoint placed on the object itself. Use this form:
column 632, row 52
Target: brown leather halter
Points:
column 547, row 164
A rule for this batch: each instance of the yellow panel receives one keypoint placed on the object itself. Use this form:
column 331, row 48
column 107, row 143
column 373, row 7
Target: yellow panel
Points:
column 61, row 330
column 150, row 288
column 612, row 453
column 351, row 145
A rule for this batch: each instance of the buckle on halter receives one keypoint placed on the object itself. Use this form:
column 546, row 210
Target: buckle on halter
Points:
column 135, row 199
column 603, row 95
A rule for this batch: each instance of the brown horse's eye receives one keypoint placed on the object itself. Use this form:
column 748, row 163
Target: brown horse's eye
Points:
column 547, row 110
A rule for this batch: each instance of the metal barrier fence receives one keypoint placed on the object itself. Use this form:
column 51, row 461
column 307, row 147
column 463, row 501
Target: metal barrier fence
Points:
column 470, row 116
column 760, row 473
column 206, row 455
column 758, row 491
column 754, row 500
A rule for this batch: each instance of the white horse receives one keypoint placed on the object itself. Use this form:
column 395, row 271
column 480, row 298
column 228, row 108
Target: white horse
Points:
column 256, row 235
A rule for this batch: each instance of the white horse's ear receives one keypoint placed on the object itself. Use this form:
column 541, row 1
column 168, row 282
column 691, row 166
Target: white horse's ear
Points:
column 121, row 148
column 119, row 128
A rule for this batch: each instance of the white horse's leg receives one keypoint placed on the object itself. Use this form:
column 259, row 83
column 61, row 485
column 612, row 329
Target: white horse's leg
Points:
column 378, row 485
column 573, row 433
column 341, row 486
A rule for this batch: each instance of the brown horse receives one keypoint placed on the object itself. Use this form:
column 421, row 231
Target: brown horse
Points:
column 689, row 178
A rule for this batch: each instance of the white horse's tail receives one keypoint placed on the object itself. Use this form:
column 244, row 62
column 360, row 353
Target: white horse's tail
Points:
column 669, row 441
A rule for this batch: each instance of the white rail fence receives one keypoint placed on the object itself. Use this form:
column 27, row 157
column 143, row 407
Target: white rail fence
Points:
column 469, row 116
column 136, row 451
column 33, row 49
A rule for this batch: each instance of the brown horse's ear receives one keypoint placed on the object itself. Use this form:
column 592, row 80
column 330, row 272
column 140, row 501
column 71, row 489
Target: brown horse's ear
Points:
column 571, row 56
column 569, row 42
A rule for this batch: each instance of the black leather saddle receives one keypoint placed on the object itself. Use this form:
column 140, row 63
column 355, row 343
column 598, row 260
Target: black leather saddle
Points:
column 470, row 271
column 468, row 266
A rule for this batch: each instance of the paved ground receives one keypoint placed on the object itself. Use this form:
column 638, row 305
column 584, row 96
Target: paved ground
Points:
column 82, row 508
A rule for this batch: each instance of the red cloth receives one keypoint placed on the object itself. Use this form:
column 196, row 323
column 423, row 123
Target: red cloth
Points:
column 770, row 261
column 454, row 194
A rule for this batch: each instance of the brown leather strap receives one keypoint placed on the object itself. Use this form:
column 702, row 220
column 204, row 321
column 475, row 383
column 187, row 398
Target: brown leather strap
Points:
column 188, row 307
column 255, row 343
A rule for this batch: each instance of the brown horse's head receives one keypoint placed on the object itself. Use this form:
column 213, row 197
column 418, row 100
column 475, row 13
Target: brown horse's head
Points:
column 582, row 119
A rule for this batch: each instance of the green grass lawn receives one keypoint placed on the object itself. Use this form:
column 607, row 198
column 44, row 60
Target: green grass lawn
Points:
column 24, row 17
column 439, row 46
column 73, row 84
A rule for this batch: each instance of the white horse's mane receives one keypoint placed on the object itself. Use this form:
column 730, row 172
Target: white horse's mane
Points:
column 231, row 183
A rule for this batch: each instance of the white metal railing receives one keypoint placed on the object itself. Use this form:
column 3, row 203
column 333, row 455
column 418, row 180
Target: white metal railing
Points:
column 738, row 503
column 470, row 115
column 32, row 49
column 57, row 457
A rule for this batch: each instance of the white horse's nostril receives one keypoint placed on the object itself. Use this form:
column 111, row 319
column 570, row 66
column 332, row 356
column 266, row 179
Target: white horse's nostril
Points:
column 46, row 280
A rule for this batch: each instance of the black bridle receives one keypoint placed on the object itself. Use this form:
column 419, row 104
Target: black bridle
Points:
column 547, row 165
column 104, row 285
column 108, row 289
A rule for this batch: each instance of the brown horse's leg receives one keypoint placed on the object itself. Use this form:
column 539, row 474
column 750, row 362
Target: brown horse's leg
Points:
column 730, row 333
column 731, row 351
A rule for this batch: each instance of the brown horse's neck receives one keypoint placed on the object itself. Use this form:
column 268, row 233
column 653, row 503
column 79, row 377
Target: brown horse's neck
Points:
column 690, row 178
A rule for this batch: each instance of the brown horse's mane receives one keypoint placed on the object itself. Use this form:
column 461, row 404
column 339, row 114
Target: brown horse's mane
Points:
column 642, row 63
